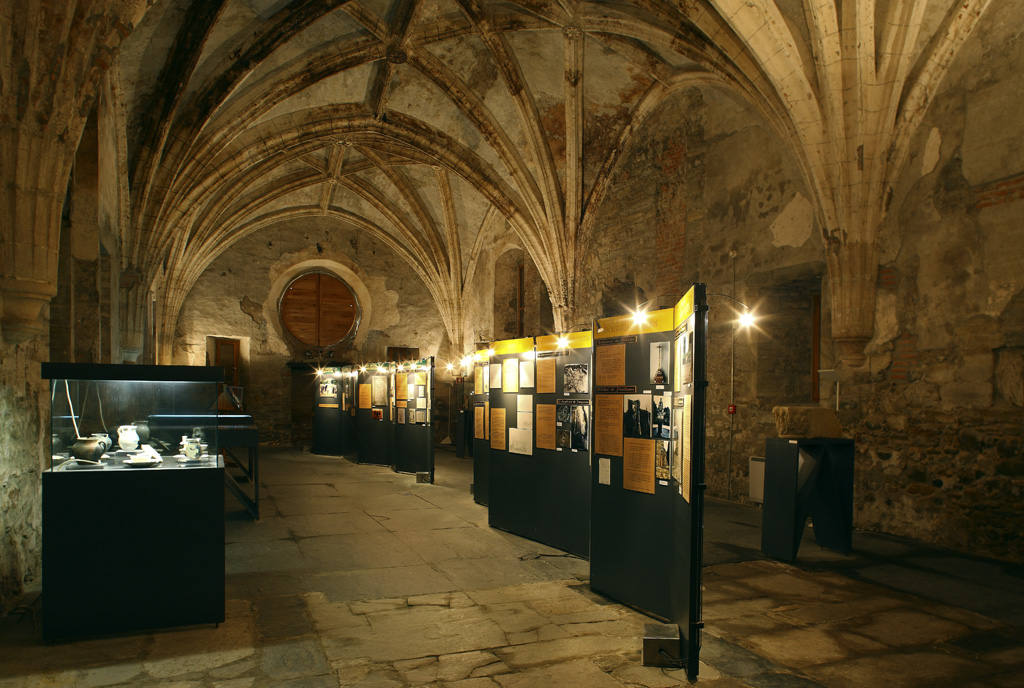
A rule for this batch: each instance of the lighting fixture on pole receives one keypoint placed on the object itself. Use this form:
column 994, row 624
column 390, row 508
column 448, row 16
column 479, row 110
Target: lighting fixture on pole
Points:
column 744, row 320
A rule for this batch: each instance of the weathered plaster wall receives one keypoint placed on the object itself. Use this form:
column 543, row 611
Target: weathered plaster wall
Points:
column 235, row 298
column 937, row 413
column 939, row 417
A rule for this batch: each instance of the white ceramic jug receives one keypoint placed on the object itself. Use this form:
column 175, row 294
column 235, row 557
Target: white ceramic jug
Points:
column 190, row 447
column 127, row 437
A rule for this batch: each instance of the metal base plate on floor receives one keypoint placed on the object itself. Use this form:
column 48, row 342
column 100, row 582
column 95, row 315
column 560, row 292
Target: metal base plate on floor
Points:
column 661, row 646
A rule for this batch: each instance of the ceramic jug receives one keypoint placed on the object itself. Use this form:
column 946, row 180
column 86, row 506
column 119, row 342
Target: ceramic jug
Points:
column 127, row 437
column 190, row 447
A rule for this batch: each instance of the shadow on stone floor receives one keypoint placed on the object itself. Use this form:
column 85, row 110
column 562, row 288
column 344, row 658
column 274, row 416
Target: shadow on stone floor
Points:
column 357, row 576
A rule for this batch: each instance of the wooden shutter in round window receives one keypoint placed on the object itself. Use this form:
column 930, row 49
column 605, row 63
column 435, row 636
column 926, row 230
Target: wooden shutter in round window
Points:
column 318, row 309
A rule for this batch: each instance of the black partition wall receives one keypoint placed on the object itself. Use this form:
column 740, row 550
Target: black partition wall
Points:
column 480, row 408
column 348, row 410
column 648, row 471
column 372, row 427
column 328, row 431
column 413, row 404
column 540, row 477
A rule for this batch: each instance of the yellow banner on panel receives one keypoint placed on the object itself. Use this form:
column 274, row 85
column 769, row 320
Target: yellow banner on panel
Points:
column 512, row 346
column 574, row 340
column 620, row 325
column 683, row 309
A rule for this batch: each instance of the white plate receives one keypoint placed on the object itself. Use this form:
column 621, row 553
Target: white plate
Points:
column 140, row 461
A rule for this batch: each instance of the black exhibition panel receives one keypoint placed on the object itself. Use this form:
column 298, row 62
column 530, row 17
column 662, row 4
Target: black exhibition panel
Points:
column 133, row 501
column 481, row 445
column 807, row 478
column 647, row 499
column 328, row 413
column 690, row 345
column 390, row 426
column 414, row 435
column 632, row 533
column 544, row 495
column 132, row 549
column 371, row 427
column 510, row 507
column 460, row 434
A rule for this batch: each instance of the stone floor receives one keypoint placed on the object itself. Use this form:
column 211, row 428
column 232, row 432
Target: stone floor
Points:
column 357, row 576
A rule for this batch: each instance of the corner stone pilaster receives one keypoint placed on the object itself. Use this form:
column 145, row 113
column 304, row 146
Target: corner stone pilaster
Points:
column 852, row 273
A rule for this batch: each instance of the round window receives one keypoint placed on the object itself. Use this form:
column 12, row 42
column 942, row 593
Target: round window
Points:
column 319, row 309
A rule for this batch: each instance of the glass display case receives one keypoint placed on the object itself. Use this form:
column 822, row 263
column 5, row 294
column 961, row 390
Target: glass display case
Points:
column 133, row 499
column 120, row 417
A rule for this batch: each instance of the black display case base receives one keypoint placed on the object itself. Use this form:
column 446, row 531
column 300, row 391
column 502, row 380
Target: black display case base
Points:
column 131, row 550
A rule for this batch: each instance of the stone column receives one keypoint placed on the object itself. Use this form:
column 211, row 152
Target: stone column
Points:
column 34, row 172
column 852, row 272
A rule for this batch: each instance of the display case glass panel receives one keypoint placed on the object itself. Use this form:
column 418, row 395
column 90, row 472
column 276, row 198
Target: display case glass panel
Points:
column 124, row 417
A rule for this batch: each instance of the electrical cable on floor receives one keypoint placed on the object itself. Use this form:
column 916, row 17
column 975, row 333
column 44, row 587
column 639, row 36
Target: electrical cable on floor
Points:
column 538, row 555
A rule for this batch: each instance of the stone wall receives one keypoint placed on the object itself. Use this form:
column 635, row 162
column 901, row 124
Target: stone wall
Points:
column 708, row 193
column 237, row 297
column 23, row 418
column 938, row 415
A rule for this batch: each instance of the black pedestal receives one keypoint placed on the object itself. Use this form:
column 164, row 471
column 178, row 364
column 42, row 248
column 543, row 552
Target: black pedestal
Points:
column 130, row 549
column 807, row 477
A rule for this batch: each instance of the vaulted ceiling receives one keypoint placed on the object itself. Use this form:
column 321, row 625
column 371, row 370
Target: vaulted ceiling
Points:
column 422, row 121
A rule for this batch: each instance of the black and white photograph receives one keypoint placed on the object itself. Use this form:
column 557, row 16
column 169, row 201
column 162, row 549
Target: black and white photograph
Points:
column 661, row 355
column 662, row 467
column 576, row 379
column 401, row 415
column 563, row 413
column 636, row 415
column 580, row 427
column 661, row 416
column 329, row 388
column 563, row 437
column 684, row 356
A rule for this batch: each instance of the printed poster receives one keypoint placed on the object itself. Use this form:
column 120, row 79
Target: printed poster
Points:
column 495, row 375
column 510, row 375
column 608, row 424
column 526, row 373
column 479, row 427
column 638, row 465
column 546, row 375
column 364, row 396
column 520, row 440
column 401, row 380
column 498, row 428
column 379, row 385
column 545, row 425
column 610, row 361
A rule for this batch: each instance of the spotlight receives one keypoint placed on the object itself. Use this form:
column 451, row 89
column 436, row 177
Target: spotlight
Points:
column 746, row 319
column 490, row 352
column 449, row 367
column 337, row 373
column 563, row 342
column 319, row 372
column 639, row 317
column 362, row 369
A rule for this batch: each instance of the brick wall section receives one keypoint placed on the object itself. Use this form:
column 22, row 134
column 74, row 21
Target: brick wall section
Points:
column 905, row 357
column 1000, row 192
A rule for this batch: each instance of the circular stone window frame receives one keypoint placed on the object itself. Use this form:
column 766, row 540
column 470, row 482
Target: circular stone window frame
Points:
column 356, row 336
